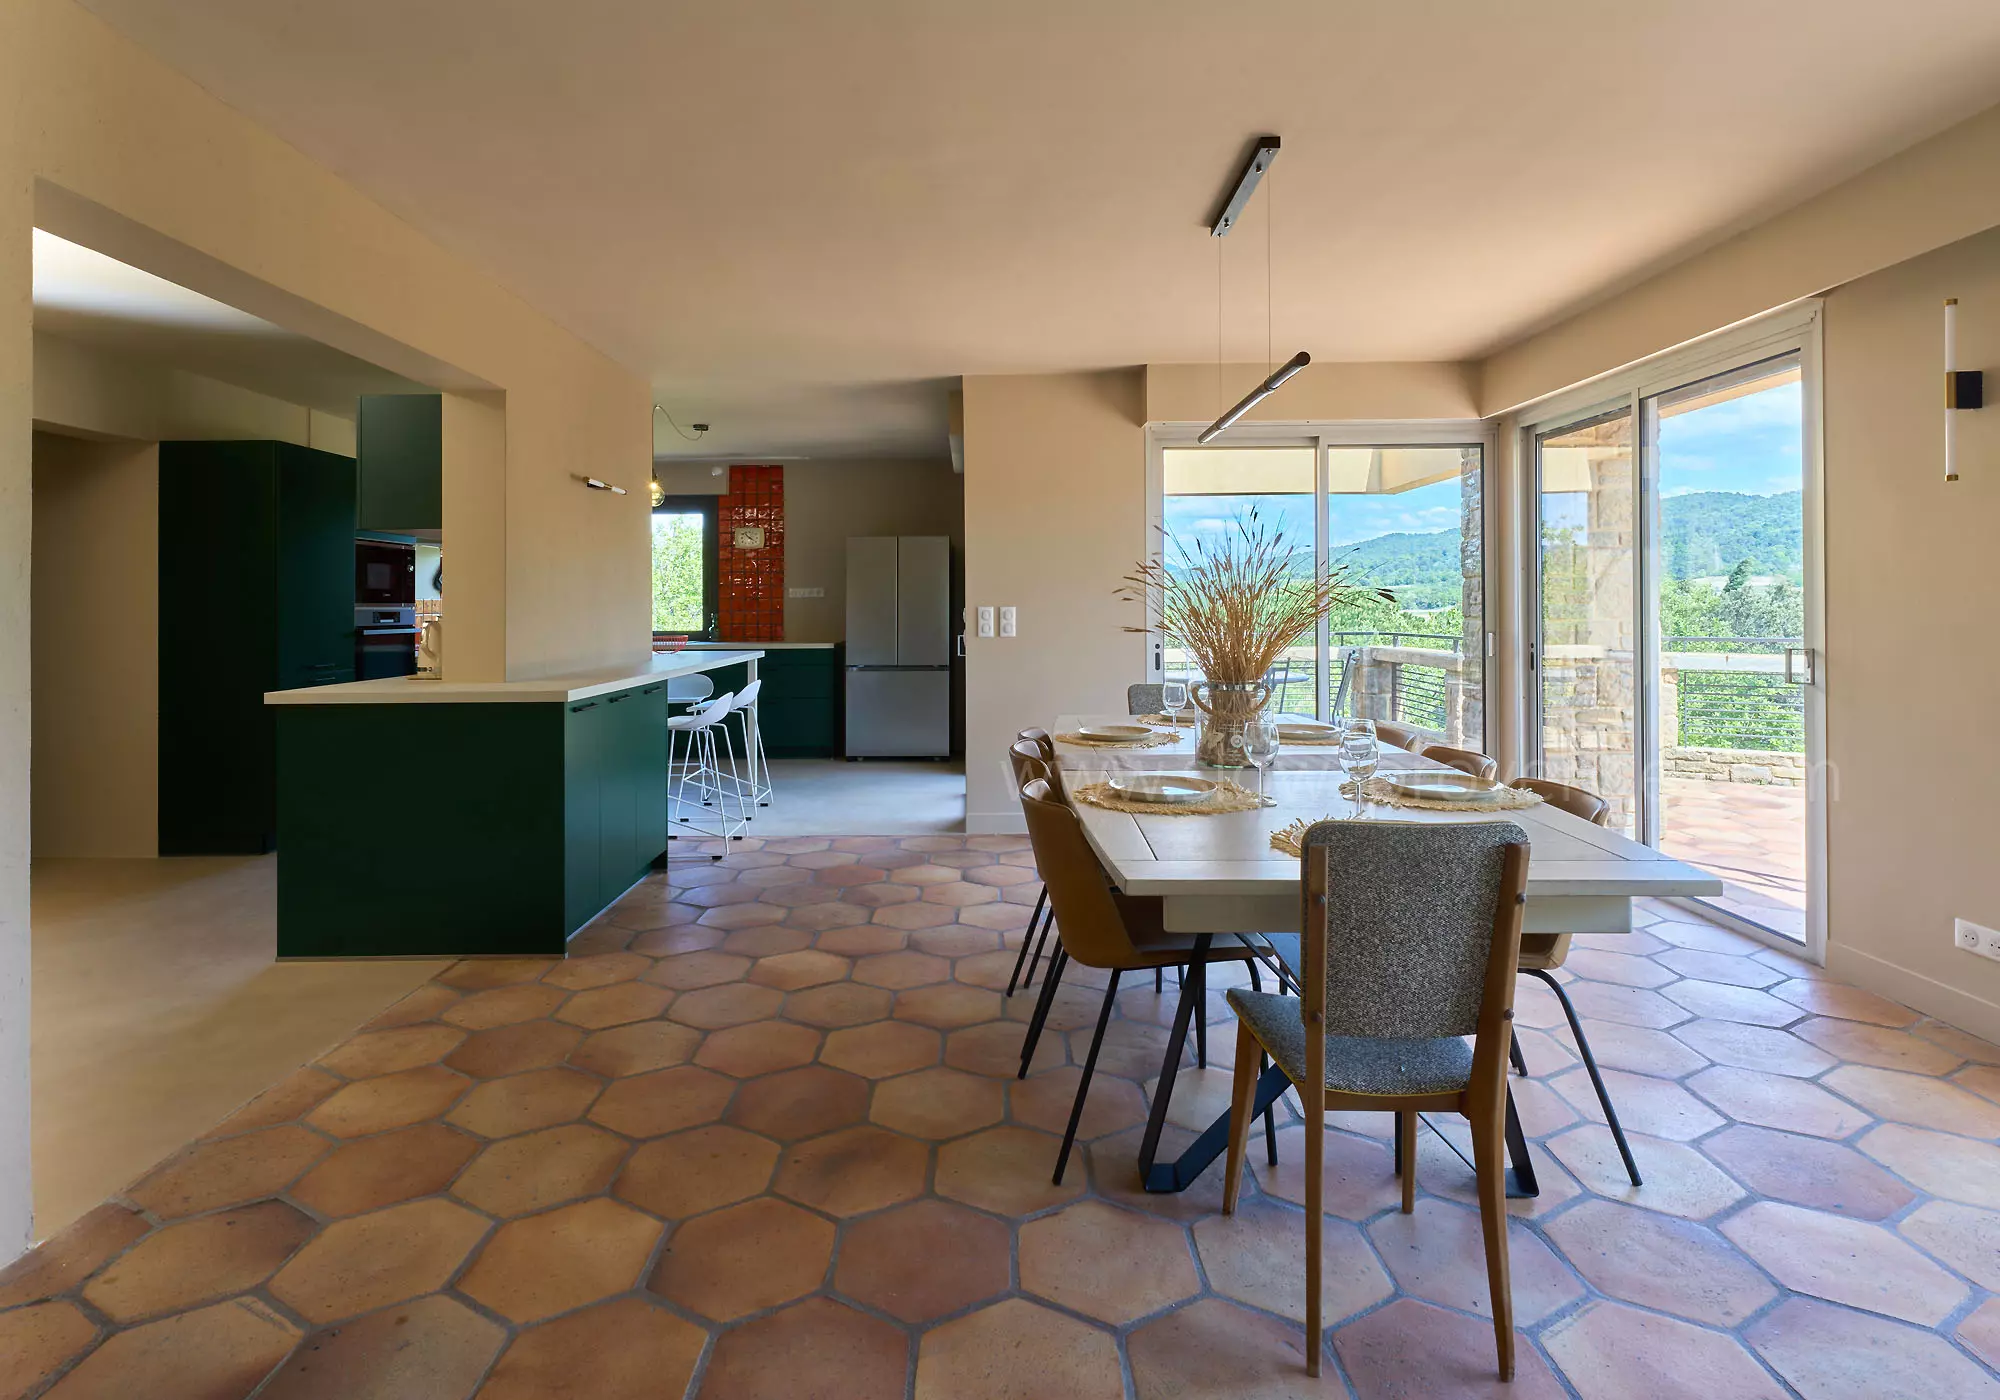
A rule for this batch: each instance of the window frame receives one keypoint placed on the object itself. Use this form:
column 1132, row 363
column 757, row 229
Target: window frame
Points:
column 709, row 507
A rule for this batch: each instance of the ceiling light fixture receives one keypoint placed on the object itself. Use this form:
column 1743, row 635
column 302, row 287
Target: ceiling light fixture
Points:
column 1262, row 153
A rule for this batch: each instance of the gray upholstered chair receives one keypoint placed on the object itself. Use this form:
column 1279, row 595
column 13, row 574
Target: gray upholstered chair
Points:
column 1423, row 924
column 1145, row 699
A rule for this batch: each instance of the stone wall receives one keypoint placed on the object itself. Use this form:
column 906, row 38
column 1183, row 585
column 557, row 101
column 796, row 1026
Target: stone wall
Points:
column 1758, row 766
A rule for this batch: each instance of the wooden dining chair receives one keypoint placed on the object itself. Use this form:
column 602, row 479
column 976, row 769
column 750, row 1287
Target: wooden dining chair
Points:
column 1028, row 764
column 1101, row 927
column 1423, row 923
column 1464, row 760
column 1543, row 953
column 1145, row 699
column 1401, row 735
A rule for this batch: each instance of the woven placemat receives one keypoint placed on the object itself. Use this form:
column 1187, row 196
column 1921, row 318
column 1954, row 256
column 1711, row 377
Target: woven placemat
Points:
column 1503, row 799
column 1151, row 741
column 1227, row 797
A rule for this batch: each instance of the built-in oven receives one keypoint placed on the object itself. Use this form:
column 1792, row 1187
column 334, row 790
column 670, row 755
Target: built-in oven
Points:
column 385, row 642
column 385, row 574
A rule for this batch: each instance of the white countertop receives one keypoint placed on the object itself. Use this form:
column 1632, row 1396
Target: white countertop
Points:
column 408, row 690
column 762, row 646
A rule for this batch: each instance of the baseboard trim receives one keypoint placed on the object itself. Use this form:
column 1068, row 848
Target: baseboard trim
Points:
column 995, row 824
column 1952, row 1005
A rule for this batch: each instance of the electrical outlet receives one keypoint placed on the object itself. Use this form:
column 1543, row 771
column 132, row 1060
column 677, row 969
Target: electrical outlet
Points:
column 986, row 622
column 1975, row 938
column 1006, row 622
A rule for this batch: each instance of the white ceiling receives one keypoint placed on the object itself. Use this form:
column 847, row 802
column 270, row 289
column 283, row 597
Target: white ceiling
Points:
column 82, row 295
column 802, row 219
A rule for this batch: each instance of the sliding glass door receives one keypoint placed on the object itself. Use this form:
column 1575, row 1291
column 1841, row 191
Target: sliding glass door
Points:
column 1408, row 519
column 1673, row 662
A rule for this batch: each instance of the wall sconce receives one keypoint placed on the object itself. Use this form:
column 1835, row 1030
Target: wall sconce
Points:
column 1963, row 388
column 594, row 484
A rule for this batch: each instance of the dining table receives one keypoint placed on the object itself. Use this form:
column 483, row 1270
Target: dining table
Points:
column 1218, row 875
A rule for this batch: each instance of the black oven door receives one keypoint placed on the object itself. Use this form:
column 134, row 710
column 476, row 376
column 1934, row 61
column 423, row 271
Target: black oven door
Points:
column 384, row 651
column 385, row 575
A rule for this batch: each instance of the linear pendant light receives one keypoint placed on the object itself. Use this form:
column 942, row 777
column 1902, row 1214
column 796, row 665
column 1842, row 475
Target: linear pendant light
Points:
column 1262, row 153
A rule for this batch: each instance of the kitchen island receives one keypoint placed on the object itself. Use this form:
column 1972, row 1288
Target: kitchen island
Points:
column 421, row 818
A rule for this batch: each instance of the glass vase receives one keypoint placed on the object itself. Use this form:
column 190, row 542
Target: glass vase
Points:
column 1226, row 706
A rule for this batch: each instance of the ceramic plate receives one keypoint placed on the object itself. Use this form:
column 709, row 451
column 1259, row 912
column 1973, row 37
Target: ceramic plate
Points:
column 1161, row 787
column 1297, row 731
column 1441, row 786
column 1115, row 732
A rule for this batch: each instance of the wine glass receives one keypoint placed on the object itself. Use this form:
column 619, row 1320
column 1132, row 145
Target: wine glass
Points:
column 1174, row 695
column 1360, row 755
column 1260, row 746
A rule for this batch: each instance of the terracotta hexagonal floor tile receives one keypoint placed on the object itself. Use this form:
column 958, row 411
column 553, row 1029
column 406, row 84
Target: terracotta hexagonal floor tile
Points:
column 378, row 1171
column 880, row 1050
column 839, row 1004
column 924, row 1260
column 560, row 1260
column 635, row 1049
column 960, row 894
column 794, row 896
column 1754, row 1047
column 389, row 1101
column 925, row 874
column 1106, row 1263
column 714, row 896
column 744, row 1258
column 898, row 971
column 1659, row 1262
column 771, row 941
column 664, row 1101
column 1436, row 1253
column 1000, row 916
column 789, row 972
column 229, row 1172
column 817, row 1347
column 1917, row 1099
column 685, row 972
column 1612, row 1352
column 1844, row 1261
column 1808, row 1172
column 1825, row 998
column 1411, row 1349
column 1005, row 1170
column 688, row 1173
column 65, row 1259
column 503, row 1006
column 995, row 1049
column 800, row 1103
column 1626, row 970
column 512, row 1049
column 916, row 916
column 882, row 895
column 616, row 1005
column 938, row 1103
column 537, row 1170
column 198, row 1261
column 435, row 1346
column 1645, row 1105
column 681, row 938
column 1679, row 1180
column 948, row 1005
column 1955, row 1168
column 1044, row 1101
column 712, row 1008
column 1860, row 1043
column 1778, row 1101
column 222, row 1350
column 845, row 875
column 287, row 1101
column 421, row 1005
column 732, row 917
column 825, row 919
column 1744, row 1005
column 355, row 1266
column 1964, row 1237
column 1980, row 1333
column 522, row 1103
column 1214, row 1350
column 1830, row 1353
column 36, row 1342
column 478, row 974
column 1357, row 1179
column 854, row 1171
column 626, row 1349
column 1258, row 1256
column 384, row 1052
column 763, row 1047
column 958, row 940
column 1018, row 1350
column 994, row 971
column 1632, row 1048
column 581, row 974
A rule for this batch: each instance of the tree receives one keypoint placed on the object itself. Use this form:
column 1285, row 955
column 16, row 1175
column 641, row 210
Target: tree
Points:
column 1739, row 577
column 677, row 573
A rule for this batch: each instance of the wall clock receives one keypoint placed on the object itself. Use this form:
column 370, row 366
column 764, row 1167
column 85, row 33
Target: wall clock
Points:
column 747, row 537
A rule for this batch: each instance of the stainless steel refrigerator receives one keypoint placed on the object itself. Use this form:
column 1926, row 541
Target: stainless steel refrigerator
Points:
column 899, row 646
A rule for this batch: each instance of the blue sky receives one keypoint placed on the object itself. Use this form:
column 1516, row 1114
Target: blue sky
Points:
column 1749, row 444
column 1351, row 518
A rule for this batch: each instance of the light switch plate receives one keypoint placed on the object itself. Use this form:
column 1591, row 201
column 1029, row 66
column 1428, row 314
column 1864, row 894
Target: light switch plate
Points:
column 986, row 622
column 1006, row 622
column 805, row 592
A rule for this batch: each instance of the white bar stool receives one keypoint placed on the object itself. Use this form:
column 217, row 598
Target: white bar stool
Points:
column 754, row 758
column 701, row 768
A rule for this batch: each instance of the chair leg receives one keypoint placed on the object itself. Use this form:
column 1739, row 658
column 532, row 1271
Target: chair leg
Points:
column 1159, row 980
column 1041, row 903
column 1490, row 1165
column 1270, row 1116
column 1083, row 1084
column 1034, row 1036
column 1596, row 1079
column 1041, row 946
column 1406, row 1157
column 1243, row 1094
column 1314, row 1097
column 1519, row 1060
column 1196, row 986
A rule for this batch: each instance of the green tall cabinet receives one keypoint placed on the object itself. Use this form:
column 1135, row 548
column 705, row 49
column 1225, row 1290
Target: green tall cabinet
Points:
column 400, row 441
column 256, row 594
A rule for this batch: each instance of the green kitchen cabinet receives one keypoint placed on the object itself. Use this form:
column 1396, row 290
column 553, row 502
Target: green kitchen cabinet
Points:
column 399, row 439
column 615, row 796
column 799, row 705
column 256, row 576
column 584, row 743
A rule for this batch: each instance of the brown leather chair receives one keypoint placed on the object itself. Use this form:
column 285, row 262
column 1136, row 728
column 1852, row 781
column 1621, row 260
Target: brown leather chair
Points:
column 1464, row 760
column 1041, row 740
column 1099, row 927
column 1543, row 953
column 1401, row 735
column 1030, row 765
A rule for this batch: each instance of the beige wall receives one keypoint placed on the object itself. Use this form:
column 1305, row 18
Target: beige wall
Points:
column 1327, row 392
column 1910, row 575
column 96, row 647
column 826, row 502
column 1055, row 516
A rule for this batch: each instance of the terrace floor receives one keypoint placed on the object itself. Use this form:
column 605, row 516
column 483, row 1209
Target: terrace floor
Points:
column 760, row 1136
column 1750, row 835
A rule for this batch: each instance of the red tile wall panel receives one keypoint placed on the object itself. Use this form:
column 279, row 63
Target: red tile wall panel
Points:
column 751, row 582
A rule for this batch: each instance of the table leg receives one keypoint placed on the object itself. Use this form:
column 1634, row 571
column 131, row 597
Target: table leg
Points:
column 1170, row 1064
